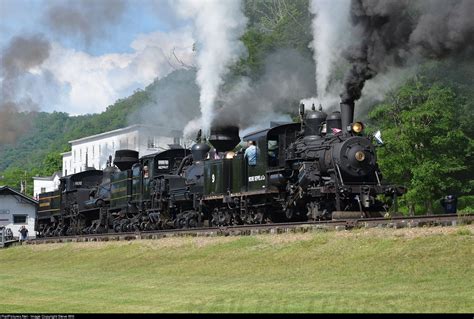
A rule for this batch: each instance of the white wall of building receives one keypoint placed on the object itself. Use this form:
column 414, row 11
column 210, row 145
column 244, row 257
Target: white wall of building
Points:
column 98, row 148
column 11, row 207
column 67, row 163
column 45, row 184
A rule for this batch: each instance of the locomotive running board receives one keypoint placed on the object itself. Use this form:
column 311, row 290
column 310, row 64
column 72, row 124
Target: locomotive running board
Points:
column 347, row 215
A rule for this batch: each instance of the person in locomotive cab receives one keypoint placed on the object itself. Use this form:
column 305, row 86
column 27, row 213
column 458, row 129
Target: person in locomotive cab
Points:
column 213, row 154
column 145, row 171
column 251, row 153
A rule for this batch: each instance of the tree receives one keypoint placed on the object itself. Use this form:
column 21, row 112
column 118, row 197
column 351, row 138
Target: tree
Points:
column 52, row 163
column 425, row 147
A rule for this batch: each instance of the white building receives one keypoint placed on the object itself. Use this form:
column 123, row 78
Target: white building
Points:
column 46, row 184
column 17, row 210
column 94, row 151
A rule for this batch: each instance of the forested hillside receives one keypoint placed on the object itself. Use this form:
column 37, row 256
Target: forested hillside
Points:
column 426, row 123
column 272, row 25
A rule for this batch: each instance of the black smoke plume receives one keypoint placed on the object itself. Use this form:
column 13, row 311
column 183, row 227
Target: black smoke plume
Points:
column 22, row 54
column 86, row 19
column 286, row 78
column 391, row 33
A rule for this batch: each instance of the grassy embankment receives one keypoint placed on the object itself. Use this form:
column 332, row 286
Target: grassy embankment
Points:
column 377, row 270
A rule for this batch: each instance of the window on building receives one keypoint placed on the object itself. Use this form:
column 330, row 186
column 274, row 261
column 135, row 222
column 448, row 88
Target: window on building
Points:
column 80, row 154
column 151, row 142
column 123, row 143
column 19, row 219
column 100, row 150
column 43, row 189
column 75, row 157
column 93, row 151
column 135, row 142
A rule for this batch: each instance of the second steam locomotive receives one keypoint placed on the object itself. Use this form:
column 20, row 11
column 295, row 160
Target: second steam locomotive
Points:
column 322, row 168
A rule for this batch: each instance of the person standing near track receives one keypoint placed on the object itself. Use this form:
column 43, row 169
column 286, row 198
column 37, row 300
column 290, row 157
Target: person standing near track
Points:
column 23, row 233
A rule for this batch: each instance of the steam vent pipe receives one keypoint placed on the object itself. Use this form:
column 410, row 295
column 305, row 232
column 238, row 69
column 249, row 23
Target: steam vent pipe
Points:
column 347, row 114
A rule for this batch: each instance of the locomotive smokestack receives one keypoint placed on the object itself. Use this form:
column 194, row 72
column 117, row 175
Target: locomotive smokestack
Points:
column 347, row 113
column 124, row 159
column 224, row 138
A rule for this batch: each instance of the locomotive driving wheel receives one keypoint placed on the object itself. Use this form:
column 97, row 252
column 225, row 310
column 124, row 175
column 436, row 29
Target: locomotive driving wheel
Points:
column 221, row 218
column 180, row 221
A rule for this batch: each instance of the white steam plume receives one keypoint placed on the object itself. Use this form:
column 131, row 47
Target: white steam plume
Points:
column 218, row 26
column 329, row 27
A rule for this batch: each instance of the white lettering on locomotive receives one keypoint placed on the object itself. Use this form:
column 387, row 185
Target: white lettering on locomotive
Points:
column 256, row 178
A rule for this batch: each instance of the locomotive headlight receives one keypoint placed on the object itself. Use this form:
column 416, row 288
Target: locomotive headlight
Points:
column 360, row 156
column 357, row 127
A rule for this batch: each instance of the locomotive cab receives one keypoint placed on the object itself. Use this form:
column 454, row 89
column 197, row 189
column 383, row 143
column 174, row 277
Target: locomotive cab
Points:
column 271, row 155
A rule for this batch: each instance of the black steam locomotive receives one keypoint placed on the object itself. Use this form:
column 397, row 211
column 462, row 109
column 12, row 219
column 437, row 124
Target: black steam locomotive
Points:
column 322, row 168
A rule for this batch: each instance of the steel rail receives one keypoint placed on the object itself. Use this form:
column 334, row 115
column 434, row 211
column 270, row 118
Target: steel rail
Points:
column 396, row 221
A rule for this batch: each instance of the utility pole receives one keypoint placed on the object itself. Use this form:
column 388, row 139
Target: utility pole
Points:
column 23, row 184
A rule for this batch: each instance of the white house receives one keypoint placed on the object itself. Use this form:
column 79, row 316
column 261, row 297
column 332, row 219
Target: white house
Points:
column 94, row 151
column 46, row 184
column 17, row 210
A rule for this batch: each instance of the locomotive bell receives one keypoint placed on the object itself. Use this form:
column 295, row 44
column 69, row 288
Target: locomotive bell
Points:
column 224, row 138
column 313, row 121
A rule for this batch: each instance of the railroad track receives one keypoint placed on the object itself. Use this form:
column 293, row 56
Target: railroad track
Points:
column 393, row 222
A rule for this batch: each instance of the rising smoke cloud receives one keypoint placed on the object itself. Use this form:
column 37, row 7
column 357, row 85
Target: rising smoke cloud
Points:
column 218, row 27
column 22, row 56
column 175, row 102
column 394, row 33
column 287, row 76
column 329, row 27
column 85, row 19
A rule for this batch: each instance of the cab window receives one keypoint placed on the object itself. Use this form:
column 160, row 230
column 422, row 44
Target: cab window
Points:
column 272, row 149
column 146, row 170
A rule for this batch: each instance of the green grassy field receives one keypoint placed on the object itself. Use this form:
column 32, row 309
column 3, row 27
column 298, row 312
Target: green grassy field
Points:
column 376, row 270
